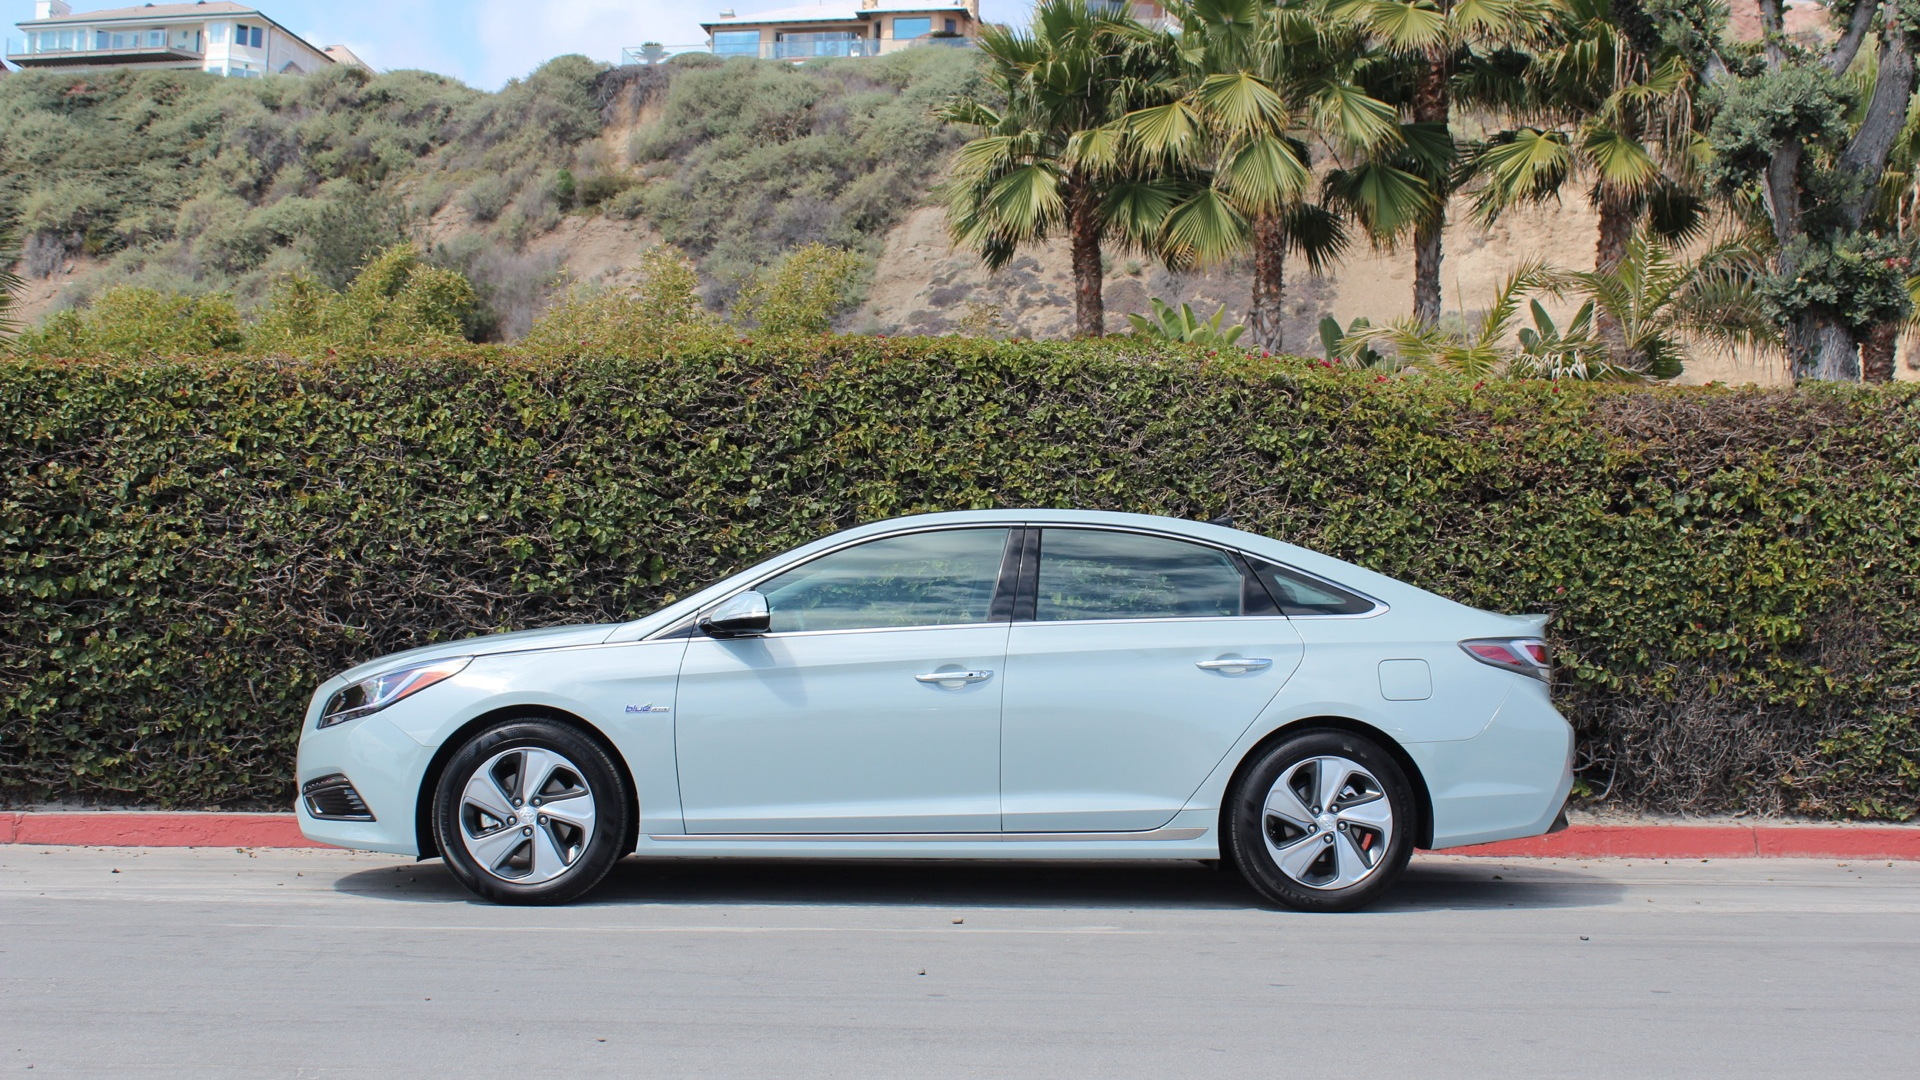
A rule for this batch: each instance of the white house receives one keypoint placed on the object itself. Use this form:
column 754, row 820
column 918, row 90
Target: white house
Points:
column 843, row 28
column 212, row 35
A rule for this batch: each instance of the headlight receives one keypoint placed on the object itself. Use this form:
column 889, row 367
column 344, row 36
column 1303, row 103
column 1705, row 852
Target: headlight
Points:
column 372, row 695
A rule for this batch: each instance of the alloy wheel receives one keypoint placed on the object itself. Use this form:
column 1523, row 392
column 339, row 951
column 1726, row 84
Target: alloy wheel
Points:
column 526, row 815
column 1327, row 822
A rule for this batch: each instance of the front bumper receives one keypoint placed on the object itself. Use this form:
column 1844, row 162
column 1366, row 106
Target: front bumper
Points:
column 384, row 765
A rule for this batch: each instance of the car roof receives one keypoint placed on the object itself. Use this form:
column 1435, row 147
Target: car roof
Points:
column 1393, row 592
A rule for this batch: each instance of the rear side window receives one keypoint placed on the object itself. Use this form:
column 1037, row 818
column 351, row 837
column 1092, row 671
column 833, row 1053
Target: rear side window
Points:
column 1093, row 574
column 1298, row 594
column 920, row 579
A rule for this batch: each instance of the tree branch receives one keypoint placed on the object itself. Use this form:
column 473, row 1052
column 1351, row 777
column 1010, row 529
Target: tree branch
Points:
column 1770, row 30
column 1886, row 114
column 1840, row 57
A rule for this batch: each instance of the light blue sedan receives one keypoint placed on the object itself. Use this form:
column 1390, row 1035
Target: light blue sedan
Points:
column 1018, row 684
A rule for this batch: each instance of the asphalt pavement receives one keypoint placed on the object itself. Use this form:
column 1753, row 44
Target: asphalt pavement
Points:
column 215, row 963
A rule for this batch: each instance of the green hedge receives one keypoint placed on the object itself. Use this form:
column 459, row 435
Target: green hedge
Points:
column 187, row 547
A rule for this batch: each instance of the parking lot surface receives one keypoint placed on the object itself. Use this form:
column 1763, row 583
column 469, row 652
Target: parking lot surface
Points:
column 225, row 963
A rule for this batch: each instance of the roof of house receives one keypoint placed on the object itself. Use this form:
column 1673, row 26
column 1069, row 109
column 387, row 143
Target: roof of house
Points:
column 206, row 8
column 342, row 55
column 842, row 11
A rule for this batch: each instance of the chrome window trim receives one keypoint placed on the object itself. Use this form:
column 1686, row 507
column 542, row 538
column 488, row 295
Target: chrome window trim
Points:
column 679, row 627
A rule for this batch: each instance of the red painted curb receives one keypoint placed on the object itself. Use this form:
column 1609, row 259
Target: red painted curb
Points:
column 148, row 828
column 1710, row 842
column 157, row 828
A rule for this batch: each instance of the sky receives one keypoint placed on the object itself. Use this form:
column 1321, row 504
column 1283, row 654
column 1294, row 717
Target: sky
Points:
column 486, row 42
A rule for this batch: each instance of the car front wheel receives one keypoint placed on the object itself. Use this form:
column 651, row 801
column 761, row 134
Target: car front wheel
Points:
column 1322, row 822
column 530, row 812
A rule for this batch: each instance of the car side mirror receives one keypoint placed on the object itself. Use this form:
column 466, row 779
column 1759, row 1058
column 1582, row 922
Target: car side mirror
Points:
column 741, row 615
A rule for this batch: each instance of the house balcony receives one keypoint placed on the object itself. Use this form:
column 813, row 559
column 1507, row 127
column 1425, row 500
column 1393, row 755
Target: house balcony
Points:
column 20, row 55
column 794, row 51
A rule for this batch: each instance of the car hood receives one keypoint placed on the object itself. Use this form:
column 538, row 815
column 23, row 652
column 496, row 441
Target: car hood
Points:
column 553, row 637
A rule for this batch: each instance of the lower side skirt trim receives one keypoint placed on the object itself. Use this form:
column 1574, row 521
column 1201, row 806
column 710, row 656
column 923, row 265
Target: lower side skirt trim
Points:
column 952, row 838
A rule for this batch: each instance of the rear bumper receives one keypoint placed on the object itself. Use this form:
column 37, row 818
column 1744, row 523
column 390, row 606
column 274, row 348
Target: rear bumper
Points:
column 1511, row 780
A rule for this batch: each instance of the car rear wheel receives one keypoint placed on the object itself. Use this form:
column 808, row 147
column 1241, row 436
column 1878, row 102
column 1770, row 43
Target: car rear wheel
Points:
column 1322, row 822
column 530, row 812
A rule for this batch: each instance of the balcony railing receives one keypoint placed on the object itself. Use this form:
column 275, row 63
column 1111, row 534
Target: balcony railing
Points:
column 793, row 51
column 20, row 53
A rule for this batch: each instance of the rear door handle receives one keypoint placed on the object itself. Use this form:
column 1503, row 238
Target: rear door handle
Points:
column 1235, row 663
column 951, row 679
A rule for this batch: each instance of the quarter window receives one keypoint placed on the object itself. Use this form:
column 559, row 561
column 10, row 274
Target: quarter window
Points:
column 1298, row 594
column 942, row 578
column 1092, row 574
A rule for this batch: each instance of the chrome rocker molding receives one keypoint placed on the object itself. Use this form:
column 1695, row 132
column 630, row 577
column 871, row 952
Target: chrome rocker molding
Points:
column 924, row 838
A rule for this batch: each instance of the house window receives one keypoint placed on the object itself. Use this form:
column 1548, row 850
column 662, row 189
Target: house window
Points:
column 953, row 26
column 736, row 43
column 792, row 46
column 156, row 39
column 248, row 36
column 912, row 28
column 217, row 33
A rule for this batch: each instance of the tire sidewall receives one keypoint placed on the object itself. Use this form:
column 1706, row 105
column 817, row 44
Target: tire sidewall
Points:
column 1247, row 831
column 602, row 777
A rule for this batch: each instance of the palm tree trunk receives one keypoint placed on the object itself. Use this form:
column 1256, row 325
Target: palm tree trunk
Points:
column 1431, row 105
column 1089, row 307
column 1618, row 215
column 1269, row 281
column 1877, row 352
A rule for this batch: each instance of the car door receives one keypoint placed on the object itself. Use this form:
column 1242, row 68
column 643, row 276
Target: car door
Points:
column 1134, row 662
column 871, row 705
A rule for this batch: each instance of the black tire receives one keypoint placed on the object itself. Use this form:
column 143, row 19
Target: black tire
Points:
column 570, row 858
column 1258, row 840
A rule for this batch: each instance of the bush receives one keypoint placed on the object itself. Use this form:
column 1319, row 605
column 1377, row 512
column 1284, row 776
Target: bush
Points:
column 804, row 291
column 129, row 320
column 593, row 319
column 396, row 301
column 188, row 547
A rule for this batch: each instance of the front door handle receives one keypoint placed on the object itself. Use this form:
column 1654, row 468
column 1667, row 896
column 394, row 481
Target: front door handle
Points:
column 1235, row 663
column 954, row 679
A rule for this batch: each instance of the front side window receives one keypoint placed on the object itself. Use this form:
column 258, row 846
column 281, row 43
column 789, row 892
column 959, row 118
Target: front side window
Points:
column 941, row 578
column 904, row 29
column 1092, row 574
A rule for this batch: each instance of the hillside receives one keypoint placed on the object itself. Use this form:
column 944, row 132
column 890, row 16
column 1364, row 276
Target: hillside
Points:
column 192, row 183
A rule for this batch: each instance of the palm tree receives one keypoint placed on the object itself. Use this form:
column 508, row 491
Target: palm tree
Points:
column 1615, row 110
column 10, row 283
column 1047, row 160
column 1446, row 50
column 1251, row 81
column 1657, row 303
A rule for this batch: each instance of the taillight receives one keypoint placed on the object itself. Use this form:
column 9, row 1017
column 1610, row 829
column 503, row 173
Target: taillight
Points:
column 1528, row 656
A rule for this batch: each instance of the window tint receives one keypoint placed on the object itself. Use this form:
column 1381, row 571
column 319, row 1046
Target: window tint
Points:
column 1298, row 594
column 1090, row 574
column 921, row 579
